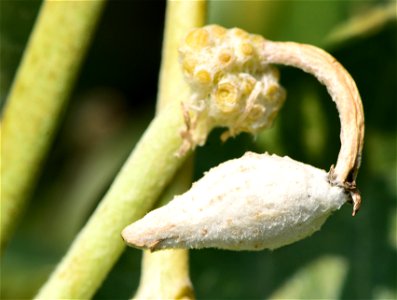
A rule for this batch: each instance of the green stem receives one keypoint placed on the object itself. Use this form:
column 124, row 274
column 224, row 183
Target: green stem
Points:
column 136, row 188
column 39, row 93
column 181, row 16
column 147, row 171
column 165, row 275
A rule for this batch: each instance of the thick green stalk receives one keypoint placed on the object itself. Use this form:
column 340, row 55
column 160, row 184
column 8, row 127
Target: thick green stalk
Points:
column 139, row 183
column 39, row 93
column 181, row 16
column 165, row 275
column 143, row 177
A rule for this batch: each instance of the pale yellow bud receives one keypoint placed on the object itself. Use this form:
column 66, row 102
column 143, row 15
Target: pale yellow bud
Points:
column 256, row 112
column 257, row 39
column 203, row 77
column 226, row 97
column 240, row 33
column 225, row 57
column 197, row 38
column 217, row 31
column 246, row 49
column 228, row 81
column 272, row 91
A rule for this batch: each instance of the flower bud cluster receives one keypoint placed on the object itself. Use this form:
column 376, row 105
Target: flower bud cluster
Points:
column 231, row 85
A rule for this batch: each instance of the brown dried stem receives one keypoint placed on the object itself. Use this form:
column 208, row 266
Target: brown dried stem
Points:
column 344, row 93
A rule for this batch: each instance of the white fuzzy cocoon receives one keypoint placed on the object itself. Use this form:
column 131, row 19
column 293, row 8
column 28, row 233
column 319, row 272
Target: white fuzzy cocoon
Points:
column 255, row 202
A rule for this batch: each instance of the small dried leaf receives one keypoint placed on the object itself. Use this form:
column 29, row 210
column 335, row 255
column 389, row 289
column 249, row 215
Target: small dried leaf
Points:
column 255, row 202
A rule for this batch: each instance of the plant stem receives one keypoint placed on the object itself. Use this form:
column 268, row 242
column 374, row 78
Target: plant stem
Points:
column 147, row 171
column 136, row 188
column 39, row 93
column 165, row 275
column 181, row 16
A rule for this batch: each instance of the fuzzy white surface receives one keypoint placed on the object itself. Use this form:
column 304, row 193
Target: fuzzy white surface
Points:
column 255, row 202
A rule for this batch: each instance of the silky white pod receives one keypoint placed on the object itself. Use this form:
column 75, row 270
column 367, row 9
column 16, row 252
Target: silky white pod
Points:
column 254, row 202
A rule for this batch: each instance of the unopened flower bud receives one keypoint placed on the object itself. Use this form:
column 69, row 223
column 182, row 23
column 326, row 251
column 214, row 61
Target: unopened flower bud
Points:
column 229, row 82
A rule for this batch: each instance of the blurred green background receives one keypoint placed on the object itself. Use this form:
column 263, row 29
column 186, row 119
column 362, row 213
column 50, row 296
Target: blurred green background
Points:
column 113, row 102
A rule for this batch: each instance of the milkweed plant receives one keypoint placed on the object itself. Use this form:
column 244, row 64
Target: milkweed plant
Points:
column 212, row 77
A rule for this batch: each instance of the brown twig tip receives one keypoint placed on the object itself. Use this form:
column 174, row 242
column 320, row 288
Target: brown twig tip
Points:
column 356, row 201
column 343, row 92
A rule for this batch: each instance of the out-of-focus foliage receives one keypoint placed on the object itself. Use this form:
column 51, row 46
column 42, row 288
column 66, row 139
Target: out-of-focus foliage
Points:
column 352, row 258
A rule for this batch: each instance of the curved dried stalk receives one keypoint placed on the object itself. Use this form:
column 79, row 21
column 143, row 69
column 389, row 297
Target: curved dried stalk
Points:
column 344, row 93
